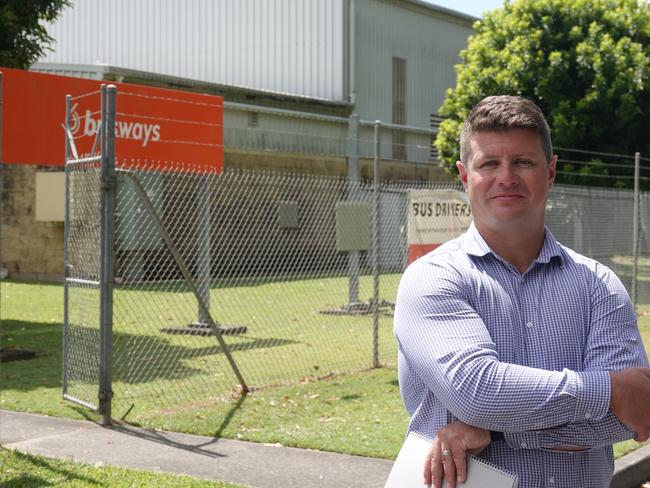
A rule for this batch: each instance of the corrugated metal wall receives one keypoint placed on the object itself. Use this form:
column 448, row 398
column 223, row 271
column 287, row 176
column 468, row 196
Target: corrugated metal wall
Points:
column 291, row 46
column 429, row 42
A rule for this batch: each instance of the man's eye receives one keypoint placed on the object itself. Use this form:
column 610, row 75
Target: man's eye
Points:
column 524, row 162
column 488, row 164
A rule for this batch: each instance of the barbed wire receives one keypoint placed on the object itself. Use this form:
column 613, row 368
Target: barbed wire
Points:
column 85, row 95
column 165, row 119
column 595, row 152
column 173, row 141
column 169, row 99
column 165, row 165
column 88, row 113
column 595, row 175
column 600, row 163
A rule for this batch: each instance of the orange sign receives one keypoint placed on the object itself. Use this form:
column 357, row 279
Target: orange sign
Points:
column 151, row 124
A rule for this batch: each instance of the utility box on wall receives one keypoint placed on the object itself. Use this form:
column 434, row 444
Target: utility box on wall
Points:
column 50, row 196
column 352, row 226
column 288, row 215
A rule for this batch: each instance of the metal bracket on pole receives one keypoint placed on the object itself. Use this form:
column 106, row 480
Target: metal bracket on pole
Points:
column 93, row 150
column 70, row 145
column 203, row 307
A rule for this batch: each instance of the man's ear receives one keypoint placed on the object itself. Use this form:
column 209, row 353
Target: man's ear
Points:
column 462, row 170
column 552, row 171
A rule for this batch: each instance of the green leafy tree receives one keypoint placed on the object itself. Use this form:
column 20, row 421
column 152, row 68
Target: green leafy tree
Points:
column 585, row 62
column 23, row 37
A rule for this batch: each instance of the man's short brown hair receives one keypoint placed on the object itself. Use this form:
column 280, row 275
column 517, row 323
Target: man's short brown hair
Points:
column 501, row 113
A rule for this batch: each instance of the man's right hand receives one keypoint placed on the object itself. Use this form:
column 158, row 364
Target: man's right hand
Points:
column 630, row 400
column 460, row 439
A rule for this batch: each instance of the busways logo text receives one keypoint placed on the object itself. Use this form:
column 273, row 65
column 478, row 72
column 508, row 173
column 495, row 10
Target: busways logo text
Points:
column 87, row 126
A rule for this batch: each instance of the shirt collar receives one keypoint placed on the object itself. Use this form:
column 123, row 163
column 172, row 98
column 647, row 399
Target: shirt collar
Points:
column 474, row 244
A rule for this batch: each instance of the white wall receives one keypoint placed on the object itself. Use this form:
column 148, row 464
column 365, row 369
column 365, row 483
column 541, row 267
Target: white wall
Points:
column 289, row 46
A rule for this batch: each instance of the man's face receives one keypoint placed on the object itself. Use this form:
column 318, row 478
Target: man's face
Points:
column 507, row 179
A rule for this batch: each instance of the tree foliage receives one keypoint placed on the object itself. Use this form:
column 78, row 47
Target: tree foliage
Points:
column 585, row 62
column 23, row 37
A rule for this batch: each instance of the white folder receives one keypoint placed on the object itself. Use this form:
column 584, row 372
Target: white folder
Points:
column 408, row 468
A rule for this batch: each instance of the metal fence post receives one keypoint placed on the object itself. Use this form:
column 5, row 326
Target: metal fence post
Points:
column 2, row 170
column 635, row 227
column 1, row 165
column 353, row 187
column 66, row 247
column 203, row 244
column 375, row 247
column 1, row 109
column 106, row 259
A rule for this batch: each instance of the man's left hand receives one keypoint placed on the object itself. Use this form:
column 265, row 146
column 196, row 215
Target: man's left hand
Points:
column 447, row 456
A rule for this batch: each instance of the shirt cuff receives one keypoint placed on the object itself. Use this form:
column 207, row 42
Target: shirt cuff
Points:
column 592, row 390
column 522, row 440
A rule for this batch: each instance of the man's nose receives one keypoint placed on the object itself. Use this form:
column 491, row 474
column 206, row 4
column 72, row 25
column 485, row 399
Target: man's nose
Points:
column 507, row 175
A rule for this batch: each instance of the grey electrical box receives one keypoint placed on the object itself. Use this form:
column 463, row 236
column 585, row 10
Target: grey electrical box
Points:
column 288, row 215
column 352, row 226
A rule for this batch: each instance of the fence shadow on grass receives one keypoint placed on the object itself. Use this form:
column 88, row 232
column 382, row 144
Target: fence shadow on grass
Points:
column 43, row 371
column 46, row 340
column 130, row 363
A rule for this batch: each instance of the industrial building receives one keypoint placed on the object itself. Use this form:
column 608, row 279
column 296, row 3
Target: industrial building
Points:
column 300, row 79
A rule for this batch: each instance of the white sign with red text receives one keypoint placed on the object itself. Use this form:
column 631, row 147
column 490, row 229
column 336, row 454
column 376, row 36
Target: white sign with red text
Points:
column 434, row 217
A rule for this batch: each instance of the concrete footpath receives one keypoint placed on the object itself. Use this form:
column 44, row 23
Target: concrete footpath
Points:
column 247, row 463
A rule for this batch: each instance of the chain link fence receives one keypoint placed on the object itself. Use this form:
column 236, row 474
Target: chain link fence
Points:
column 82, row 295
column 268, row 277
column 275, row 271
column 599, row 223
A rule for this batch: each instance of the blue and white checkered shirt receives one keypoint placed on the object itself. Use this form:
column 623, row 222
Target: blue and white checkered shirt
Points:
column 524, row 354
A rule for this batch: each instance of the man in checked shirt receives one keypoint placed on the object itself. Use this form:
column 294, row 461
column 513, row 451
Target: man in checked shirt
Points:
column 509, row 344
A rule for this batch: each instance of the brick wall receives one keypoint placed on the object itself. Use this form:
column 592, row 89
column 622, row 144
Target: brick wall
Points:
column 28, row 249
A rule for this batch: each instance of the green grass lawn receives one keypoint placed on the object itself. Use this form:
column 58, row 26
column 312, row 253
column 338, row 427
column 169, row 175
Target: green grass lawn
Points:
column 332, row 414
column 19, row 470
column 357, row 413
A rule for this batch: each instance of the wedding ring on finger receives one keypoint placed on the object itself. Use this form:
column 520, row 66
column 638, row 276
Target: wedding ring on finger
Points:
column 446, row 452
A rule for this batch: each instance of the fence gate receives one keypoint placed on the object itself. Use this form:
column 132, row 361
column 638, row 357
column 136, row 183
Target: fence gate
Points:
column 115, row 228
column 83, row 271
